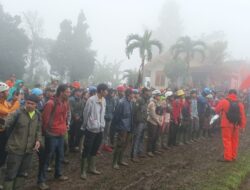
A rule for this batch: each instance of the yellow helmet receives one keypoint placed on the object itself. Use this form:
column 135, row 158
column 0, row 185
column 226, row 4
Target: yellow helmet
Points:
column 180, row 93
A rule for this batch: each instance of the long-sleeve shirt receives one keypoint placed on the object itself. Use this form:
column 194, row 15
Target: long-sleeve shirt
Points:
column 26, row 130
column 60, row 119
column 93, row 114
column 153, row 118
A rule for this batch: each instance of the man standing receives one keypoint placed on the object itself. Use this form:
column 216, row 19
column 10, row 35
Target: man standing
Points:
column 55, row 126
column 76, row 107
column 25, row 137
column 123, row 120
column 194, row 116
column 94, row 124
column 110, row 108
column 5, row 109
column 154, row 111
column 232, row 120
column 140, row 122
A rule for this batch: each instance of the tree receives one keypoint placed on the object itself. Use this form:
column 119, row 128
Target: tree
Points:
column 36, row 57
column 216, row 53
column 71, row 55
column 144, row 44
column 107, row 72
column 170, row 24
column 60, row 55
column 83, row 57
column 131, row 77
column 175, row 70
column 187, row 47
column 13, row 45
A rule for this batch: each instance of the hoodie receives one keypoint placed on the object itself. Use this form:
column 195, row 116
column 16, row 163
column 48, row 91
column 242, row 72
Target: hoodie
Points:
column 15, row 88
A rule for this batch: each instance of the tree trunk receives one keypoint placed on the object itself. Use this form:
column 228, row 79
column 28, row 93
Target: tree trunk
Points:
column 189, row 77
column 141, row 73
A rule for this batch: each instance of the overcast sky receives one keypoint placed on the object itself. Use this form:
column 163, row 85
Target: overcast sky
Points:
column 110, row 21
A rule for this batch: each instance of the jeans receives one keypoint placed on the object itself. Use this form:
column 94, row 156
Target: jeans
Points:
column 53, row 146
column 17, row 165
column 92, row 142
column 153, row 135
column 137, row 146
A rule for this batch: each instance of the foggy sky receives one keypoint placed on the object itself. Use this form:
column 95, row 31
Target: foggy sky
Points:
column 110, row 21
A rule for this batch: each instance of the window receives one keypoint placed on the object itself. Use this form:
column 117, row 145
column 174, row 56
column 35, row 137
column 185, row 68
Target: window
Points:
column 160, row 78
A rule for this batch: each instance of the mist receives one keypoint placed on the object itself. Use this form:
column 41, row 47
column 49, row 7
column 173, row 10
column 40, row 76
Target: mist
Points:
column 111, row 21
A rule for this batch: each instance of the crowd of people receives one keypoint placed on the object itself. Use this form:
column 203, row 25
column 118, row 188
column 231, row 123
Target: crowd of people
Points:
column 62, row 118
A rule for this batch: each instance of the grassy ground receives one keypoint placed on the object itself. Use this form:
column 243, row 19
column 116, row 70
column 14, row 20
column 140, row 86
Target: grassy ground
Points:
column 228, row 177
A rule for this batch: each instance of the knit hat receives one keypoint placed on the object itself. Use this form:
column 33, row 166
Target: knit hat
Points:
column 33, row 98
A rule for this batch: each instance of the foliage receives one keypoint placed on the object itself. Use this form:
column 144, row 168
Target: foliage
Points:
column 83, row 58
column 107, row 72
column 144, row 44
column 71, row 55
column 13, row 45
column 189, row 48
column 131, row 77
column 216, row 53
column 36, row 57
column 60, row 56
column 175, row 69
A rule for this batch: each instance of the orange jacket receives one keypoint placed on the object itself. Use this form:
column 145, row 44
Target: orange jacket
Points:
column 223, row 107
column 6, row 108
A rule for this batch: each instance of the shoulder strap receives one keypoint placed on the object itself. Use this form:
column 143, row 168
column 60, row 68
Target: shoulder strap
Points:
column 52, row 115
column 11, row 128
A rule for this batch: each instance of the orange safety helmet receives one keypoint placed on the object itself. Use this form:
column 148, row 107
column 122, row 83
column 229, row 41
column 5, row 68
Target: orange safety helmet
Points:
column 76, row 85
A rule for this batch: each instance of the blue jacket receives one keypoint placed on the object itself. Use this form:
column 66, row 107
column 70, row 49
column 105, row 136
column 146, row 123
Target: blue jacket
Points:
column 123, row 116
column 202, row 103
column 110, row 108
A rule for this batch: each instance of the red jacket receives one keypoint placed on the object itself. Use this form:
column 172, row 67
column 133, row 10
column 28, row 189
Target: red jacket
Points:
column 176, row 110
column 59, row 123
column 223, row 107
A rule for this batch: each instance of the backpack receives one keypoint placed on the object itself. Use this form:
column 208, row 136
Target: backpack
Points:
column 233, row 114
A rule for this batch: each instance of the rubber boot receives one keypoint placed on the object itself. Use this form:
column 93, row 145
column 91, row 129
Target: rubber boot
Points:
column 115, row 159
column 84, row 163
column 8, row 185
column 120, row 159
column 18, row 183
column 92, row 166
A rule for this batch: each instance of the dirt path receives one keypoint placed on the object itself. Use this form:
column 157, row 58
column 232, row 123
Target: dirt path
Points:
column 180, row 168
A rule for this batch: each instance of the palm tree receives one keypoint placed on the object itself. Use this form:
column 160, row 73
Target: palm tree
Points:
column 144, row 44
column 189, row 48
column 131, row 77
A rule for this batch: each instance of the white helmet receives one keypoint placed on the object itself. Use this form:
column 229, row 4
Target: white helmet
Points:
column 3, row 87
column 168, row 93
column 156, row 93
